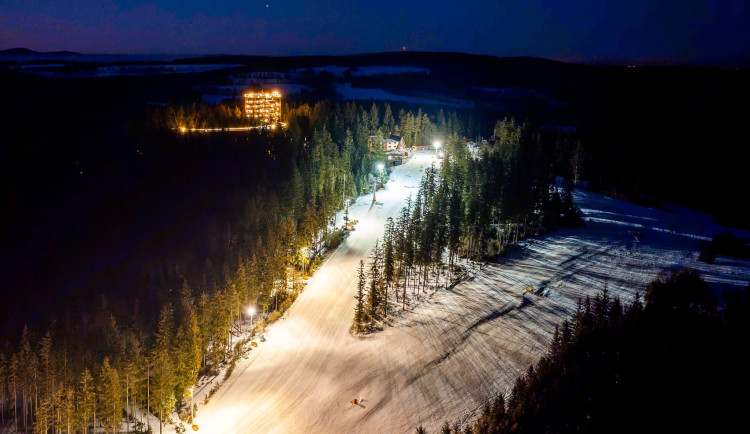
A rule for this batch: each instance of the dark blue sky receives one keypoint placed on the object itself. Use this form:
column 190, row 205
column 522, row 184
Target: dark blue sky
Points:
column 635, row 31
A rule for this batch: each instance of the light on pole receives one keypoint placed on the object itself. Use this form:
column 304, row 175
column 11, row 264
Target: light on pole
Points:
column 346, row 213
column 375, row 185
column 436, row 144
column 251, row 312
column 192, row 407
column 304, row 259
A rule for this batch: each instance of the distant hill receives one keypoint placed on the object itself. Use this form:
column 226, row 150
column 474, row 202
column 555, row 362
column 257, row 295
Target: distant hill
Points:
column 413, row 58
column 27, row 52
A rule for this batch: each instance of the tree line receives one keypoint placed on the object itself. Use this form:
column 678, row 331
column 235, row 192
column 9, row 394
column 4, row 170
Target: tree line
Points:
column 476, row 206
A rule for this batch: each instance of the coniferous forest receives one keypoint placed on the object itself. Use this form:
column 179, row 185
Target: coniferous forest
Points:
column 205, row 225
column 475, row 206
column 193, row 235
column 248, row 211
column 180, row 317
column 667, row 362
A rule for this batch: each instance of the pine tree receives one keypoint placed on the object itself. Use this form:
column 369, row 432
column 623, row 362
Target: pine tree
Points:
column 374, row 118
column 415, row 233
column 446, row 428
column 373, row 296
column 67, row 408
column 455, row 213
column 388, row 261
column 27, row 373
column 110, row 397
column 409, row 237
column 164, row 382
column 576, row 161
column 43, row 415
column 187, row 350
column 4, row 382
column 388, row 122
column 13, row 378
column 204, row 324
column 359, row 310
column 130, row 372
column 46, row 365
column 86, row 400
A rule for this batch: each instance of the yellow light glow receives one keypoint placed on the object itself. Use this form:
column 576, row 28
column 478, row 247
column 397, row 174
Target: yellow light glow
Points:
column 264, row 105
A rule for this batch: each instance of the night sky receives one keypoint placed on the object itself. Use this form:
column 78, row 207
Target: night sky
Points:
column 633, row 31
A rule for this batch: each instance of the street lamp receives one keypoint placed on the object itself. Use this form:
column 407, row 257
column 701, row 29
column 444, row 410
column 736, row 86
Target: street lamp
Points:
column 304, row 257
column 436, row 144
column 251, row 312
column 346, row 213
column 192, row 407
column 379, row 166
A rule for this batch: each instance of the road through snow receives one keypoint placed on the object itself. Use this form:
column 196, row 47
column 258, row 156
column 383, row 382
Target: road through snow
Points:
column 442, row 359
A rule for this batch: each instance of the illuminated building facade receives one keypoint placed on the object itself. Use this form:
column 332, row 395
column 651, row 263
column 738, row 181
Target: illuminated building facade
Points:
column 263, row 106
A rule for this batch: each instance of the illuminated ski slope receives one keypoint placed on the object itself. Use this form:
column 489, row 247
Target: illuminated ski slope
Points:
column 457, row 347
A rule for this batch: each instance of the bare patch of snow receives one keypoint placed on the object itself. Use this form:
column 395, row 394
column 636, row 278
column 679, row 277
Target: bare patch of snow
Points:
column 348, row 92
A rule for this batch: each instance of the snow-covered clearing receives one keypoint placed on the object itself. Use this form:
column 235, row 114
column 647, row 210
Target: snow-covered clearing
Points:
column 457, row 347
column 337, row 71
column 217, row 94
column 348, row 92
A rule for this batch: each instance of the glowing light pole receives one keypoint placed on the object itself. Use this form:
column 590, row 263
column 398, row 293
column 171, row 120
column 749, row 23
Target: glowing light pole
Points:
column 375, row 185
column 346, row 214
column 304, row 257
column 192, row 407
column 251, row 312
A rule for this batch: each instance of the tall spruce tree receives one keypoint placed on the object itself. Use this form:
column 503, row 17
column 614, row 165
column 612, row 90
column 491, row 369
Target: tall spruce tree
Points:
column 163, row 381
column 111, row 397
column 86, row 400
column 389, row 269
column 359, row 311
column 374, row 297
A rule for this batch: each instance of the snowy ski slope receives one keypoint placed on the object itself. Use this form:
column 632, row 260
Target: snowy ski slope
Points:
column 457, row 347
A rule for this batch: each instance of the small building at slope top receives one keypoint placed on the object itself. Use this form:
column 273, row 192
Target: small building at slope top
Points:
column 392, row 143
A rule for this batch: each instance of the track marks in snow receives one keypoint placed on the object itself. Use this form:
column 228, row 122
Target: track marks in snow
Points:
column 469, row 342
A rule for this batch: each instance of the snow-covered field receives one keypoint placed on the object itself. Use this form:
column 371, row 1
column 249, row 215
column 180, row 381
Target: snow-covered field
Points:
column 217, row 94
column 457, row 347
column 348, row 92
